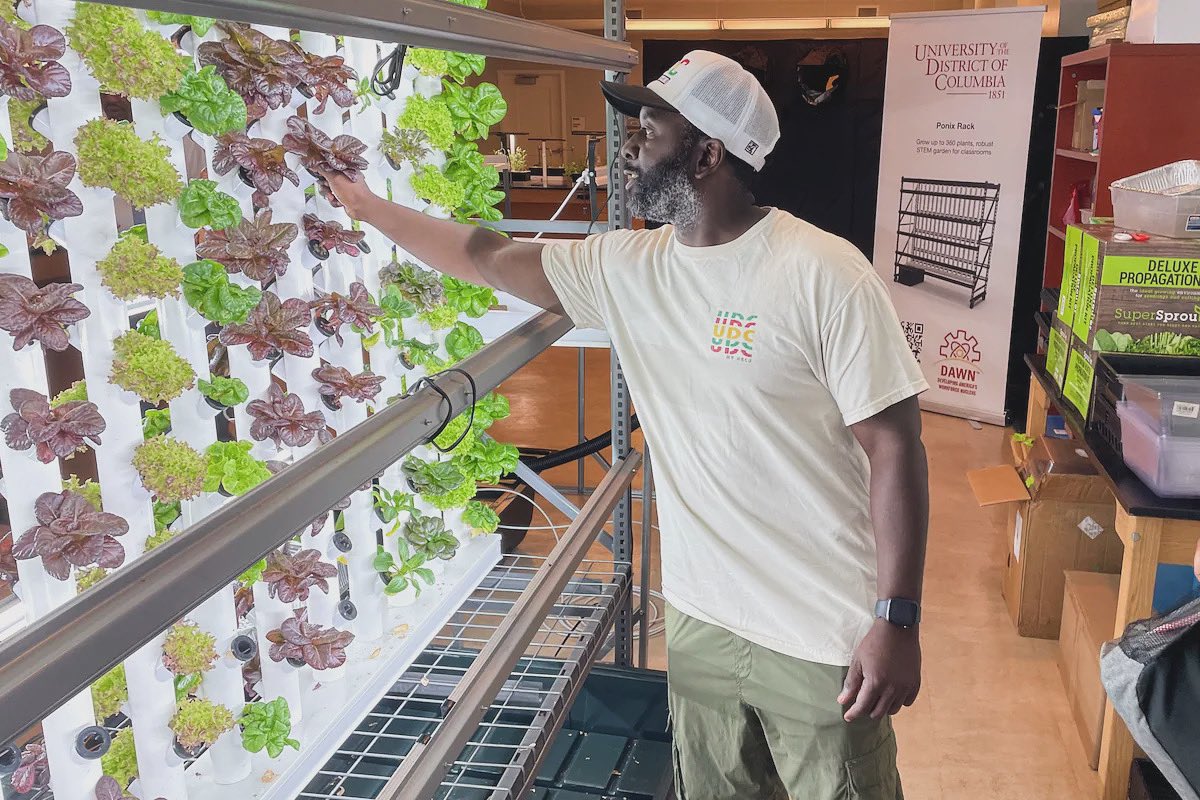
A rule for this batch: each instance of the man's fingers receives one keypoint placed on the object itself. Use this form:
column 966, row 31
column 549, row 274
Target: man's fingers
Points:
column 912, row 696
column 850, row 688
column 887, row 696
column 897, row 703
column 868, row 697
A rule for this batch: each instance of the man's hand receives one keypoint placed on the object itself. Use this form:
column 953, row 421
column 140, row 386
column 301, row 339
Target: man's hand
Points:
column 885, row 674
column 354, row 195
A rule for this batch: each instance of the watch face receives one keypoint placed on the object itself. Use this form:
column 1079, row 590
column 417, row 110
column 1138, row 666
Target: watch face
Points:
column 903, row 614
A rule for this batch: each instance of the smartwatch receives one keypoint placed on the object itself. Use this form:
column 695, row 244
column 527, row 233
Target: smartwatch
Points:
column 898, row 611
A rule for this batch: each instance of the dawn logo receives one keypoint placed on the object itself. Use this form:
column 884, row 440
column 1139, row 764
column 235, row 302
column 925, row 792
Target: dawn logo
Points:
column 733, row 335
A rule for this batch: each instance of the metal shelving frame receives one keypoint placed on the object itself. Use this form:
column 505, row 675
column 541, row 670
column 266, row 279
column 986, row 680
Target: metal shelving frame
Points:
column 544, row 638
column 945, row 231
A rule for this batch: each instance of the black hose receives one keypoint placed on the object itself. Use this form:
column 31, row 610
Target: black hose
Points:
column 576, row 452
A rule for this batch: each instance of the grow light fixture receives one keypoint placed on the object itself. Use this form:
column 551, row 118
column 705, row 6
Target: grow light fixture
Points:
column 754, row 24
column 673, row 24
column 859, row 22
column 774, row 24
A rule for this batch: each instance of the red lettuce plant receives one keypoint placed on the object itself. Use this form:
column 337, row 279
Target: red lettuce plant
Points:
column 39, row 314
column 34, row 769
column 320, row 647
column 107, row 788
column 325, row 78
column 274, row 326
column 338, row 382
column 257, row 248
column 326, row 237
column 320, row 153
column 71, row 532
column 282, row 419
column 35, row 191
column 261, row 69
column 332, row 311
column 290, row 578
column 260, row 163
column 56, row 432
column 29, row 68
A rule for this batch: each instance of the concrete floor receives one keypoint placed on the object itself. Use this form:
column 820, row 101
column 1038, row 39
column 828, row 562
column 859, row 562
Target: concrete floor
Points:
column 992, row 720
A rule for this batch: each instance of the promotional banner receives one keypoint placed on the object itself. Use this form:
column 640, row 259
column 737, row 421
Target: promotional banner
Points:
column 957, row 109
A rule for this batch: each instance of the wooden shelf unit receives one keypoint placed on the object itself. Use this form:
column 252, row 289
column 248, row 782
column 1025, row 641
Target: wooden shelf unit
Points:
column 1150, row 119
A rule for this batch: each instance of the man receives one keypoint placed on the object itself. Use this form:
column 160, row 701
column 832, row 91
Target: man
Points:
column 778, row 397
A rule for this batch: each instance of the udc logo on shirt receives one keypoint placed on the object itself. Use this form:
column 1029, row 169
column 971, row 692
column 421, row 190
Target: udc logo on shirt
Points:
column 733, row 335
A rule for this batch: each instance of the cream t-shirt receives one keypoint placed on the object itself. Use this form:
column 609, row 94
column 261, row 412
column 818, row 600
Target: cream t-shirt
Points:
column 746, row 362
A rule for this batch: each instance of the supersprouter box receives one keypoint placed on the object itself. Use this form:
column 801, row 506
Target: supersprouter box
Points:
column 1080, row 376
column 1137, row 297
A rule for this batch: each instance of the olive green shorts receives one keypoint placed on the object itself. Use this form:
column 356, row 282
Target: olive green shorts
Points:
column 753, row 724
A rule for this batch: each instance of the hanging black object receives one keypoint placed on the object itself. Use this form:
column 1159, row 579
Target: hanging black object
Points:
column 385, row 78
column 821, row 74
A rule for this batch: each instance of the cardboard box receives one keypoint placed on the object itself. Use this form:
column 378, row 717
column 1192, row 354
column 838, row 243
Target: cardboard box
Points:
column 1058, row 349
column 1080, row 377
column 1089, row 618
column 1061, row 517
column 1141, row 297
column 1089, row 95
column 1068, row 293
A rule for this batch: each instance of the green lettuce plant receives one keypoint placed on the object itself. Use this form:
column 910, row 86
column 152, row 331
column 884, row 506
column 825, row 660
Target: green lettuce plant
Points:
column 463, row 341
column 223, row 391
column 467, row 298
column 440, row 318
column 159, row 537
column 421, row 287
column 120, row 762
column 403, row 573
column 455, row 498
column 203, row 205
column 77, row 391
column 165, row 513
column 430, row 537
column 188, row 650
column 480, row 518
column 150, row 368
column 148, row 325
column 467, row 167
column 458, row 430
column 432, row 116
column 405, row 145
column 87, row 578
column 431, row 477
column 474, row 109
column 199, row 25
column 232, row 470
column 171, row 470
column 461, row 66
column 20, row 116
column 109, row 693
column 135, row 268
column 205, row 100
column 199, row 722
column 431, row 184
column 487, row 462
column 427, row 61
column 268, row 726
column 89, row 489
column 112, row 156
column 122, row 54
column 156, row 422
column 207, row 288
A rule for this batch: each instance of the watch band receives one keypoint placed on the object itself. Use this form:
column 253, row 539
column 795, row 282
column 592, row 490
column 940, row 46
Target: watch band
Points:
column 899, row 611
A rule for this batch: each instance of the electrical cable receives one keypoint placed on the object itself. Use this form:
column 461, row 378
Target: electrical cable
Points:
column 576, row 452
column 427, row 381
column 393, row 65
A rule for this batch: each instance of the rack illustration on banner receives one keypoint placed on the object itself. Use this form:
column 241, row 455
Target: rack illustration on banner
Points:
column 945, row 231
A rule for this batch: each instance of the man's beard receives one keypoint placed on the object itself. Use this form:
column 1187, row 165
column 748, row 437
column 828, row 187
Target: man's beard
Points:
column 665, row 193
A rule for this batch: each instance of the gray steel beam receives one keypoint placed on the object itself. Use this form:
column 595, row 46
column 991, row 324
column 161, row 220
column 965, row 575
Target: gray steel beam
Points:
column 427, row 763
column 422, row 23
column 62, row 653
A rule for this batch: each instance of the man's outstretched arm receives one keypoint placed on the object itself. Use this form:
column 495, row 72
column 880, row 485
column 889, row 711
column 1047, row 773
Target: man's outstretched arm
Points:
column 467, row 252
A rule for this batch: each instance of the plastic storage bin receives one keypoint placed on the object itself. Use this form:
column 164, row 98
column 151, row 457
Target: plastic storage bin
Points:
column 1170, row 465
column 1165, row 201
column 1173, row 403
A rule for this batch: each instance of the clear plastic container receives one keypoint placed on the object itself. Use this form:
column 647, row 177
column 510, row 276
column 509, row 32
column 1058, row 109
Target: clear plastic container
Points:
column 1170, row 465
column 1165, row 201
column 1171, row 402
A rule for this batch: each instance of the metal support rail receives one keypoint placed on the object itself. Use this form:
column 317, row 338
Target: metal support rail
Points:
column 65, row 651
column 428, row 762
column 421, row 23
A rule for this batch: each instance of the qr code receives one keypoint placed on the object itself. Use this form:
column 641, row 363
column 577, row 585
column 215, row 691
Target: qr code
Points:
column 914, row 332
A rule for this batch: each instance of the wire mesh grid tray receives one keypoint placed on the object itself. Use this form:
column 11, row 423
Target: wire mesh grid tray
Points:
column 501, row 759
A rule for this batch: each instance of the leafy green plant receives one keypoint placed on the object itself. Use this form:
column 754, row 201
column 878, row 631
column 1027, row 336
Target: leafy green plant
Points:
column 474, row 109
column 122, row 54
column 253, row 573
column 268, row 726
column 120, row 762
column 150, row 368
column 159, row 537
column 466, row 166
column 432, row 116
column 202, row 204
column 421, row 287
column 20, row 115
column 431, row 477
column 199, row 25
column 87, row 578
column 135, row 268
column 455, row 498
column 490, row 408
column 165, row 513
column 439, row 318
column 207, row 288
column 430, row 537
column 148, row 325
column 518, row 160
column 405, row 145
column 112, row 156
column 76, row 392
column 428, row 62
column 462, row 341
column 432, row 185
column 232, row 469
column 200, row 722
column 89, row 489
column 170, row 469
column 1162, row 343
column 188, row 650
column 391, row 504
column 109, row 693
column 487, row 462
column 462, row 66
column 458, row 430
column 156, row 422
column 403, row 573
column 225, row 391
column 480, row 518
column 207, row 102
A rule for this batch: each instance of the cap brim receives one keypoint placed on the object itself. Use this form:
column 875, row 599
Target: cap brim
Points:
column 630, row 100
